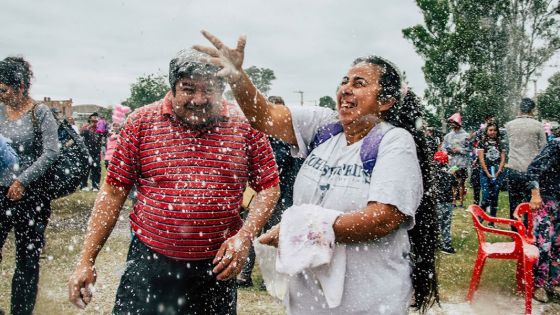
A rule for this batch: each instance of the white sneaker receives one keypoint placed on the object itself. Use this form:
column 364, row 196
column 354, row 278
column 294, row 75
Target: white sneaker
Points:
column 85, row 189
column 95, row 189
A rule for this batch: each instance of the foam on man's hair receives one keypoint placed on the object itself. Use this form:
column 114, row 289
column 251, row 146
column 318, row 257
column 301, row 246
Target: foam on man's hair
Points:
column 191, row 63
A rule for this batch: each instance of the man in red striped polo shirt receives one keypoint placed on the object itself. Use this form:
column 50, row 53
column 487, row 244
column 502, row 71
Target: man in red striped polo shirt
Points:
column 190, row 156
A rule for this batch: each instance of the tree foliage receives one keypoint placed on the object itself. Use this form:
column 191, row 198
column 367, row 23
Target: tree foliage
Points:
column 327, row 101
column 261, row 77
column 549, row 101
column 479, row 55
column 146, row 90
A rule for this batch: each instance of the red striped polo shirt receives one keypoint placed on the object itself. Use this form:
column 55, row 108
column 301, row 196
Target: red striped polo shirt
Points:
column 190, row 182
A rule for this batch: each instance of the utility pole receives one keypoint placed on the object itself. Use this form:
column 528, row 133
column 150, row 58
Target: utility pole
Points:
column 300, row 97
column 535, row 87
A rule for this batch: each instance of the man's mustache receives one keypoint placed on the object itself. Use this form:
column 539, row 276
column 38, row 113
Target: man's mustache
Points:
column 199, row 107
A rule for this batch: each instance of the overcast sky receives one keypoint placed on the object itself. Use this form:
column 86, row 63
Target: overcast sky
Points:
column 92, row 51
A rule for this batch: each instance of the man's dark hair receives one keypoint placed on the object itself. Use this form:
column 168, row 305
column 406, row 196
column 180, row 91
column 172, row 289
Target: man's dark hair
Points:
column 527, row 105
column 189, row 63
column 16, row 73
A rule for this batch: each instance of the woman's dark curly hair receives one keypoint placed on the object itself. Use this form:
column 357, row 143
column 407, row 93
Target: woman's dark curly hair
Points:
column 16, row 73
column 406, row 113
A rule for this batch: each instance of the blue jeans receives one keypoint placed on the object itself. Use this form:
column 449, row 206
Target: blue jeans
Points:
column 490, row 191
column 445, row 214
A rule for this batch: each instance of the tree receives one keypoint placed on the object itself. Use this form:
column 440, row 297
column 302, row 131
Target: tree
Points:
column 261, row 77
column 146, row 90
column 480, row 54
column 435, row 42
column 549, row 101
column 327, row 101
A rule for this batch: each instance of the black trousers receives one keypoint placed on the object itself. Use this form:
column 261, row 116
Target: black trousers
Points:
column 518, row 190
column 155, row 284
column 94, row 172
column 475, row 182
column 28, row 218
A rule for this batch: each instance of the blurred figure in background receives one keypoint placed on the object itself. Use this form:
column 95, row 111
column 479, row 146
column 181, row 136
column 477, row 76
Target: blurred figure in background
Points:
column 492, row 158
column 544, row 175
column 94, row 142
column 475, row 139
column 455, row 143
column 444, row 198
column 526, row 138
column 112, row 142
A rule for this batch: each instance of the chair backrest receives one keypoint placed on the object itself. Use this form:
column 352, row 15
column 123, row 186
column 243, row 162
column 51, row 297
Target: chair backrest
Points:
column 525, row 209
column 478, row 213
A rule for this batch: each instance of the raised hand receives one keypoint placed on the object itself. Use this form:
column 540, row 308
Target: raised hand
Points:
column 230, row 60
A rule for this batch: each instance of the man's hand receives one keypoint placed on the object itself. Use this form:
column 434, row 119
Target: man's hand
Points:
column 232, row 256
column 80, row 285
column 271, row 237
column 230, row 60
column 16, row 191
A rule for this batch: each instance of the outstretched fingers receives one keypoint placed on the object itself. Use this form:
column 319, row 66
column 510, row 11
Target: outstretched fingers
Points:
column 210, row 51
column 213, row 39
column 241, row 42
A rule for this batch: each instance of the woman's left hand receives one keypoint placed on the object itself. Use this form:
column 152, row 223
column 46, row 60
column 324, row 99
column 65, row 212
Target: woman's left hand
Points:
column 271, row 237
column 229, row 59
column 16, row 191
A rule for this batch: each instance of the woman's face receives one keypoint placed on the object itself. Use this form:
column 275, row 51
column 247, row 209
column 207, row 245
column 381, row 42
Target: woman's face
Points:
column 357, row 95
column 8, row 95
column 492, row 132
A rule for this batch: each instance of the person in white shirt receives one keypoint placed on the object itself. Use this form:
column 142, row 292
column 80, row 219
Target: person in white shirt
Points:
column 526, row 138
column 388, row 218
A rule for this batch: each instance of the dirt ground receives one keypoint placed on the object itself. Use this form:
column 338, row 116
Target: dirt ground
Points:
column 65, row 236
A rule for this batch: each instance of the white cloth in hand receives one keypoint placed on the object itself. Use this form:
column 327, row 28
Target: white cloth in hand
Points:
column 307, row 241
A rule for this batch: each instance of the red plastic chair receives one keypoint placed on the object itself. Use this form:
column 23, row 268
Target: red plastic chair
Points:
column 520, row 249
column 522, row 209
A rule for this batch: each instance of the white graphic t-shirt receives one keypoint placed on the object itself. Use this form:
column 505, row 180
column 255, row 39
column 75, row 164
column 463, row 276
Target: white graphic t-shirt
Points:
column 332, row 176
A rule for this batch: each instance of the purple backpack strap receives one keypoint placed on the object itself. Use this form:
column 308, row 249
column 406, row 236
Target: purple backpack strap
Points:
column 325, row 133
column 370, row 147
column 368, row 150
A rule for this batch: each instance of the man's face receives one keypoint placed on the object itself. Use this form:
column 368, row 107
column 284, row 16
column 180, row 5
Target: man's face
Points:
column 93, row 120
column 197, row 101
column 453, row 125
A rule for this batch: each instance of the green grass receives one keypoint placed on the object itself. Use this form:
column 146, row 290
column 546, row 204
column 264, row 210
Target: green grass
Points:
column 67, row 228
column 455, row 270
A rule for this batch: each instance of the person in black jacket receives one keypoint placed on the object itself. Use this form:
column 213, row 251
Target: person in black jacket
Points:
column 94, row 142
column 444, row 200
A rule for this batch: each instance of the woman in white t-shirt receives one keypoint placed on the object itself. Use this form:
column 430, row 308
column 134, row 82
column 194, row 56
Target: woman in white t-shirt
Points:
column 382, row 209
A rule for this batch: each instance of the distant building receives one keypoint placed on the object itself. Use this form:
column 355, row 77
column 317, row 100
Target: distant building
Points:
column 64, row 106
column 82, row 112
